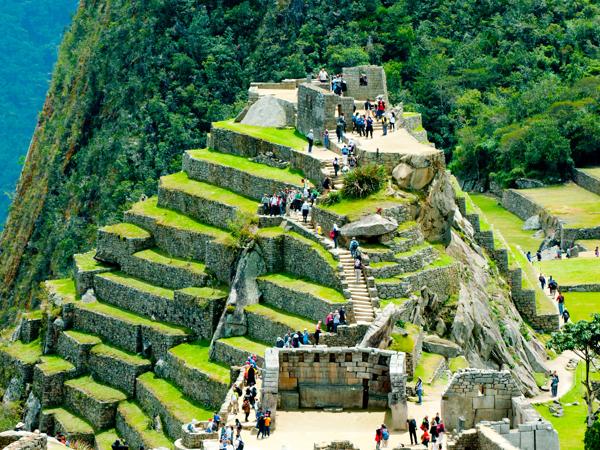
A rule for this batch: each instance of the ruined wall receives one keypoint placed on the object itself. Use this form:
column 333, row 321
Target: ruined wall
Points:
column 376, row 82
column 586, row 181
column 520, row 205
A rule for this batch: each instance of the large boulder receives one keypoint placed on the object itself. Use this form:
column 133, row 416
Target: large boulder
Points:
column 416, row 170
column 444, row 347
column 270, row 111
column 533, row 223
column 370, row 226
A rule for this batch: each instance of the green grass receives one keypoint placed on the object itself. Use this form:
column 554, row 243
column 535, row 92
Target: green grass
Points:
column 410, row 114
column 288, row 176
column 354, row 209
column 173, row 399
column 115, row 353
column 105, row 439
column 382, row 264
column 589, row 244
column 71, row 423
column 205, row 293
column 571, row 426
column 401, row 343
column 180, row 182
column 427, row 366
column 396, row 301
column 86, row 262
column 413, row 250
column 297, row 284
column 283, row 136
column 271, row 232
column 134, row 319
column 572, row 271
column 250, row 346
column 63, row 288
column 576, row 206
column 141, row 423
column 36, row 314
column 293, row 321
column 196, row 355
column 135, row 283
column 96, row 390
column 157, row 256
column 328, row 257
column 126, row 230
column 457, row 363
column 592, row 171
column 26, row 353
column 54, row 364
column 443, row 260
column 582, row 305
column 541, row 379
column 83, row 338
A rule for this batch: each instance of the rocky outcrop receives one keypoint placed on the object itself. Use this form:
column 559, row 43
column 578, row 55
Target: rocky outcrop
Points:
column 370, row 226
column 438, row 209
column 444, row 347
column 269, row 111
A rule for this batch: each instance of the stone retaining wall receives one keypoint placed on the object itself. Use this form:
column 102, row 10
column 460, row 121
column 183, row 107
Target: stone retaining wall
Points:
column 230, row 355
column 116, row 372
column 48, row 388
column 112, row 247
column 74, row 352
column 326, row 218
column 14, row 371
column 29, row 329
column 129, row 434
column 408, row 263
column 586, row 181
column 153, row 407
column 99, row 413
column 524, row 300
column 228, row 141
column 520, row 205
column 245, row 183
column 166, row 275
column 50, row 425
column 439, row 280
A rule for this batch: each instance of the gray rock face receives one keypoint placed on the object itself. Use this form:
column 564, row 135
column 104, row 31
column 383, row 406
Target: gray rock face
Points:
column 14, row 391
column 269, row 111
column 533, row 223
column 89, row 297
column 32, row 412
column 528, row 183
column 436, row 344
column 438, row 209
column 369, row 226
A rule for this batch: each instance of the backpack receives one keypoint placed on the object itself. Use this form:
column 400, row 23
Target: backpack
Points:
column 240, row 445
column 385, row 434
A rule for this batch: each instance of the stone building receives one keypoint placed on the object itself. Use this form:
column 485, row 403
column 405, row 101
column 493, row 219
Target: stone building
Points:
column 376, row 83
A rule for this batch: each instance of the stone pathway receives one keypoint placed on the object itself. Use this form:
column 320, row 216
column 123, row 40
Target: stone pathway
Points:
column 566, row 377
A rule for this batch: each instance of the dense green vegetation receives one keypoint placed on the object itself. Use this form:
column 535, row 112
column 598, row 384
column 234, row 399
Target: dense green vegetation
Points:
column 31, row 32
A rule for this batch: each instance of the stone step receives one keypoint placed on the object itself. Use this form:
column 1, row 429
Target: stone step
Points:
column 189, row 367
column 175, row 233
column 126, row 330
column 115, row 242
column 157, row 396
column 234, row 351
column 49, row 376
column 208, row 203
column 136, row 428
column 95, row 402
column 157, row 266
column 117, row 368
column 58, row 420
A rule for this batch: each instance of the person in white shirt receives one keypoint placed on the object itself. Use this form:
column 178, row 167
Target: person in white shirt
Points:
column 323, row 75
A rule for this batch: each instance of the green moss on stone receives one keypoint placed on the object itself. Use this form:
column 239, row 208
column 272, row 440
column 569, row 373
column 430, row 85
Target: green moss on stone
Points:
column 112, row 352
column 26, row 353
column 208, row 293
column 142, row 424
column 457, row 363
column 427, row 366
column 297, row 284
column 105, row 439
column 96, row 390
column 196, row 355
column 86, row 262
column 71, row 423
column 63, row 288
column 54, row 364
column 83, row 338
column 157, row 256
column 246, row 344
column 355, row 208
column 295, row 322
column 135, row 283
column 405, row 343
column 126, row 231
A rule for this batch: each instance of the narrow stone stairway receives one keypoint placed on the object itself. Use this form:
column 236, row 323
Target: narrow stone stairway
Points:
column 359, row 291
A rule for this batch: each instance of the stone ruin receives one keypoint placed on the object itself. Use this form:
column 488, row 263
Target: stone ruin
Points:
column 376, row 82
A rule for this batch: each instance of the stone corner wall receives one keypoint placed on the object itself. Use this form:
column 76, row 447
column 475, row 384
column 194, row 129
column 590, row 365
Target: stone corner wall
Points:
column 586, row 181
column 520, row 205
column 376, row 82
column 270, row 387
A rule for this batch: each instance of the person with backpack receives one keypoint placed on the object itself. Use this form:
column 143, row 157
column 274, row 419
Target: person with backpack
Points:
column 369, row 128
column 336, row 166
column 305, row 210
column 552, row 285
column 340, row 127
column 412, row 430
column 326, row 139
column 310, row 137
column 239, row 444
column 246, row 408
column 554, row 384
column 329, row 322
column 392, row 122
column 385, row 435
column 268, row 424
column 353, row 247
column 260, row 424
column 358, row 265
column 378, row 438
column 566, row 316
column 334, row 234
column 361, row 125
column 317, row 332
column 542, row 280
column 433, row 431
column 380, row 108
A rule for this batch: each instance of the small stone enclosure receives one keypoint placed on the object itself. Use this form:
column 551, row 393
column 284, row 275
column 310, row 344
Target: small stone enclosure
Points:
column 376, row 82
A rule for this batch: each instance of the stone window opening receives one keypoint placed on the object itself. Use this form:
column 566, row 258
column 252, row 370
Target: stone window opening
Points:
column 365, row 357
column 348, row 357
column 362, row 80
column 332, row 357
column 481, row 391
column 317, row 357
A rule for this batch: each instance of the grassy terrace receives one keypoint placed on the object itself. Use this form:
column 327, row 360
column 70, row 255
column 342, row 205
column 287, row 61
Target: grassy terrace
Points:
column 296, row 284
column 356, row 208
column 157, row 256
column 427, row 366
column 572, row 271
column 289, row 176
column 71, row 423
column 26, row 353
column 292, row 321
column 406, row 343
column 592, row 172
column 133, row 319
column 83, row 338
column 64, row 288
column 135, row 283
column 115, row 353
column 173, row 399
column 196, row 355
column 126, row 230
column 205, row 293
column 96, row 390
column 141, row 424
column 284, row 136
column 443, row 260
column 180, row 182
column 86, row 262
column 577, row 207
column 246, row 344
column 173, row 219
column 54, row 364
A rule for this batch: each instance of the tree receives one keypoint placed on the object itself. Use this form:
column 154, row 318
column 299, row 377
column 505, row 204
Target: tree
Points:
column 583, row 339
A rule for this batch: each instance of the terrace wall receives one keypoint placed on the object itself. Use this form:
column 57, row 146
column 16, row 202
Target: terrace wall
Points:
column 586, row 181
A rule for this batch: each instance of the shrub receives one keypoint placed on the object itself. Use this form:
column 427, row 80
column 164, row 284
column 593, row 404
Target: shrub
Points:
column 592, row 437
column 332, row 198
column 363, row 181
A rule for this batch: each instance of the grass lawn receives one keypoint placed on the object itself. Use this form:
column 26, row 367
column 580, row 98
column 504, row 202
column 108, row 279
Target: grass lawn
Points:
column 577, row 207
column 297, row 284
column 205, row 293
column 86, row 262
column 246, row 344
column 455, row 364
column 141, row 423
column 582, row 305
column 159, row 257
column 589, row 244
column 571, row 427
column 592, row 172
column 173, row 399
column 180, row 182
column 174, row 219
column 105, row 439
column 289, row 176
column 196, row 355
column 354, row 208
column 396, row 301
column 427, row 366
column 54, row 364
column 284, row 136
column 293, row 321
column 115, row 353
column 135, row 283
column 64, row 288
column 569, row 272
column 126, row 230
column 405, row 343
column 96, row 390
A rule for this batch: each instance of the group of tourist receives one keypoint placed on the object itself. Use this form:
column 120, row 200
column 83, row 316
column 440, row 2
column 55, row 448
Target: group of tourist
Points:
column 433, row 432
column 555, row 294
column 281, row 203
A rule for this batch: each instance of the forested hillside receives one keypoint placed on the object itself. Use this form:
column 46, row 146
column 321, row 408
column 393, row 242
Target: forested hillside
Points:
column 31, row 33
column 504, row 86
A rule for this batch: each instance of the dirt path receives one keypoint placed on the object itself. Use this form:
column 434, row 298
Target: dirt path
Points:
column 565, row 376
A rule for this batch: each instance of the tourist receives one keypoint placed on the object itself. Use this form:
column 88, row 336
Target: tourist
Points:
column 334, row 234
column 419, row 390
column 385, row 435
column 412, row 430
column 115, row 445
column 336, row 320
column 378, row 438
column 558, row 253
column 441, row 431
column 345, row 153
column 261, row 426
column 369, row 128
column 265, row 204
column 425, row 438
column 384, row 125
column 437, row 419
column 279, row 343
column 552, row 285
column 560, row 299
column 380, row 107
column 353, row 246
column 305, row 337
column 336, row 166
column 340, row 127
column 597, row 251
column 311, row 139
column 342, row 312
column 528, row 256
column 566, row 316
column 360, row 122
column 554, row 384
column 317, row 332
column 323, row 75
column 329, row 322
column 238, row 428
column 542, row 281
column 319, row 230
column 268, row 424
column 326, row 139
column 538, row 255
column 355, row 118
column 233, row 403
column 368, row 106
column 251, row 375
column 425, row 423
column 433, row 431
column 362, row 80
column 326, row 185
column 392, row 122
column 274, row 205
column 216, row 420
column 358, row 269
column 305, row 210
